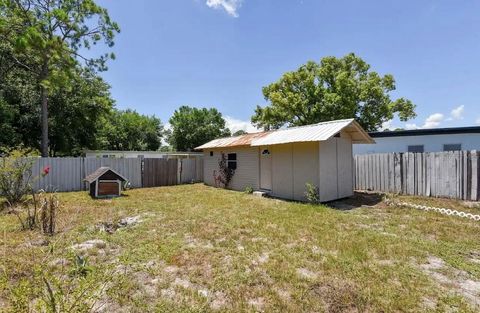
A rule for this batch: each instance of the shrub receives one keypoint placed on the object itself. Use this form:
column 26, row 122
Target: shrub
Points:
column 15, row 176
column 312, row 193
column 248, row 189
column 40, row 213
column 226, row 173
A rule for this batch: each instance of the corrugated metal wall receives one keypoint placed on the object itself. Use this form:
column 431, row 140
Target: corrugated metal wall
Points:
column 67, row 174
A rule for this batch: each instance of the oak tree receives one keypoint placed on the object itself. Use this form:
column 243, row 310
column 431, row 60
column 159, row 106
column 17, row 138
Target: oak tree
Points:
column 335, row 88
column 192, row 127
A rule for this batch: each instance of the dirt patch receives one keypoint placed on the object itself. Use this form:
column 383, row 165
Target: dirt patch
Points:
column 192, row 242
column 111, row 227
column 182, row 282
column 89, row 245
column 306, row 274
column 283, row 294
column 219, row 301
column 457, row 280
column 261, row 259
column 257, row 303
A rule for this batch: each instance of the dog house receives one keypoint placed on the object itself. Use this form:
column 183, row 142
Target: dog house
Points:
column 105, row 182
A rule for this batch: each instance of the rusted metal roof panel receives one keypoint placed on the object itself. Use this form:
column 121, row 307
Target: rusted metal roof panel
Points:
column 242, row 140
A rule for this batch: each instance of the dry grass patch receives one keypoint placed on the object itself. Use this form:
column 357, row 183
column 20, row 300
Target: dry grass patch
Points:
column 195, row 248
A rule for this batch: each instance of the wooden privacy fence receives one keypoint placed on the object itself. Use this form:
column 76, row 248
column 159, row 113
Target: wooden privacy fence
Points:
column 67, row 174
column 452, row 174
column 160, row 172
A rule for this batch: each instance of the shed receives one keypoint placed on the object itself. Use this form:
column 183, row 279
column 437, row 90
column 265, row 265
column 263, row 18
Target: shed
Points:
column 283, row 161
column 105, row 182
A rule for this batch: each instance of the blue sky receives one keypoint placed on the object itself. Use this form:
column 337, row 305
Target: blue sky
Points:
column 220, row 53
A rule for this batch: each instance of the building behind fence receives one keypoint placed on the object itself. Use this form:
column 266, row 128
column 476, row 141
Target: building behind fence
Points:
column 437, row 174
column 67, row 174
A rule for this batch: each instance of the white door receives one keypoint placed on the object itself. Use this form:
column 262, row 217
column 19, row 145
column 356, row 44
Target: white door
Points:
column 265, row 169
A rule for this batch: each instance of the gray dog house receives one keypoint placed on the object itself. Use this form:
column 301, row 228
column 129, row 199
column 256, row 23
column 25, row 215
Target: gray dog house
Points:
column 105, row 182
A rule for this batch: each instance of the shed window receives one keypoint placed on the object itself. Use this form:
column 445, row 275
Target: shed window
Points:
column 415, row 148
column 452, row 147
column 211, row 153
column 232, row 161
column 265, row 152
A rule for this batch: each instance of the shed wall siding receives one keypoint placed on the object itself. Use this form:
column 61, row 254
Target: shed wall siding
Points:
column 328, row 170
column 247, row 172
column 345, row 167
column 282, row 171
column 305, row 168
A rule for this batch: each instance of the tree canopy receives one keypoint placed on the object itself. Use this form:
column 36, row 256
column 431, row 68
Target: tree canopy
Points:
column 47, row 38
column 129, row 130
column 335, row 88
column 192, row 127
column 239, row 132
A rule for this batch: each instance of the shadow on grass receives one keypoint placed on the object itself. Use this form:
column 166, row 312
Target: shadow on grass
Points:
column 359, row 199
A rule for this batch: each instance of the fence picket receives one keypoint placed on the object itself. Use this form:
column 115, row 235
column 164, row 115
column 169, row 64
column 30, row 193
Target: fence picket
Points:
column 453, row 174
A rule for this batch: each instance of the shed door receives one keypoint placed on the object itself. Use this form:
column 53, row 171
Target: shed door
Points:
column 265, row 169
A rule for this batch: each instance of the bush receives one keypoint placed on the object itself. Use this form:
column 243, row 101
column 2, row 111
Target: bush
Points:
column 15, row 176
column 40, row 213
column 226, row 173
column 248, row 190
column 312, row 193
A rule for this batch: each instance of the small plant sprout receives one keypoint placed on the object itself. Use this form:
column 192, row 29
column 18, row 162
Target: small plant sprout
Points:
column 312, row 193
column 248, row 190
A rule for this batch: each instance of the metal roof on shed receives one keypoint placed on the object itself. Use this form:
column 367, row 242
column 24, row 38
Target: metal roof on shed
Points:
column 316, row 132
column 242, row 140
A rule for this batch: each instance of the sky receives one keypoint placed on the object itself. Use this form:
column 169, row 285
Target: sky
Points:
column 220, row 53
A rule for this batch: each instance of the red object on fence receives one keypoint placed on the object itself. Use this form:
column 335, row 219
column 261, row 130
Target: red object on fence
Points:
column 46, row 170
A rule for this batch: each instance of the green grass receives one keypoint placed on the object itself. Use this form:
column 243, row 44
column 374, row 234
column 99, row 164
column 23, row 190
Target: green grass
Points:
column 201, row 249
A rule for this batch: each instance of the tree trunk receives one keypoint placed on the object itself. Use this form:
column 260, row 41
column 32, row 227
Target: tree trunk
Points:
column 44, row 96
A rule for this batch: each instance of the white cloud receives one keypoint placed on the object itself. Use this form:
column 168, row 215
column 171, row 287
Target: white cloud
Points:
column 433, row 120
column 477, row 121
column 230, row 6
column 235, row 125
column 387, row 125
column 411, row 126
column 457, row 113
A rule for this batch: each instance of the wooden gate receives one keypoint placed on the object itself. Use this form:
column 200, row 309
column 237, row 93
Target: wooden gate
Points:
column 160, row 172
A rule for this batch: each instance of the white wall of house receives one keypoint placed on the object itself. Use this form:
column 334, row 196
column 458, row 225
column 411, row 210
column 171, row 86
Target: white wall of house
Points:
column 431, row 143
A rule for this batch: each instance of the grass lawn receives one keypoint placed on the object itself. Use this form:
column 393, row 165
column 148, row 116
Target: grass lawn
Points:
column 197, row 248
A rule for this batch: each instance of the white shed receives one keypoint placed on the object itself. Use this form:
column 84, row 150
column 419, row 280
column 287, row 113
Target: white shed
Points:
column 281, row 162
